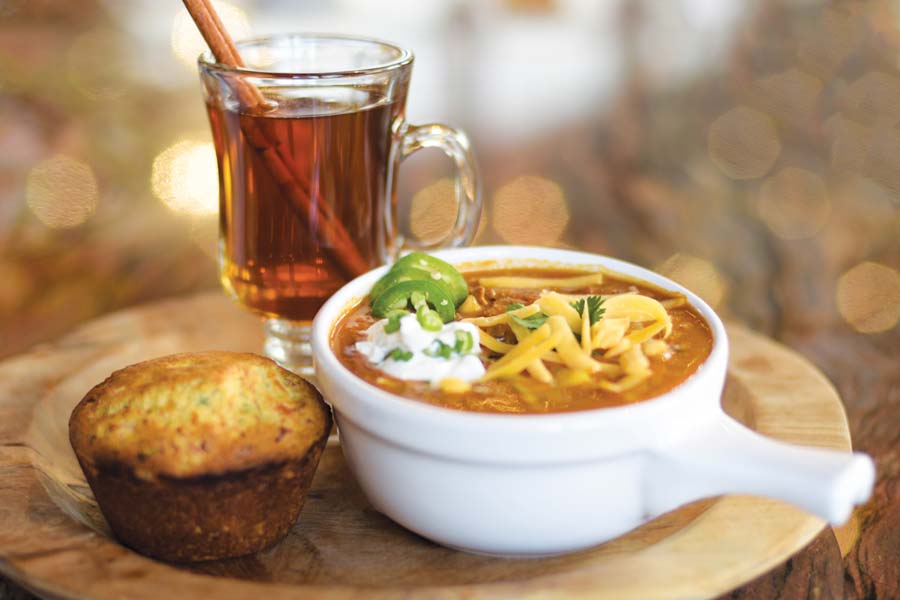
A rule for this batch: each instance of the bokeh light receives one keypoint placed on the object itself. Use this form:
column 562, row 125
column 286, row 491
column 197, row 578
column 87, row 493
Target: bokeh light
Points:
column 188, row 44
column 61, row 192
column 791, row 95
column 882, row 162
column 433, row 210
column 794, row 204
column 96, row 64
column 743, row 143
column 696, row 274
column 868, row 297
column 862, row 213
column 826, row 44
column 850, row 143
column 530, row 210
column 874, row 97
column 185, row 178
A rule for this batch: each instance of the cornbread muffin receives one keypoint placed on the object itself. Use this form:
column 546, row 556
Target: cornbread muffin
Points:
column 200, row 456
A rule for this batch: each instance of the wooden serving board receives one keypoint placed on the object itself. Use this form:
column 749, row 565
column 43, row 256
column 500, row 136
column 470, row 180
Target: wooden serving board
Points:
column 54, row 541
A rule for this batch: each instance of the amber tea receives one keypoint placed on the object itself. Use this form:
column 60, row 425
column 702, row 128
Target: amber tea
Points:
column 309, row 130
column 276, row 259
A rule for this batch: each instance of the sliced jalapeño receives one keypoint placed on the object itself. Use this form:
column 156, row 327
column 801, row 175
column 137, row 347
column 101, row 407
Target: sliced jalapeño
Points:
column 418, row 266
column 424, row 295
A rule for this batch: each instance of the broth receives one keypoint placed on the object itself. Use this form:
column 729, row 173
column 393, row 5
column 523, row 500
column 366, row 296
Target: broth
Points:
column 273, row 260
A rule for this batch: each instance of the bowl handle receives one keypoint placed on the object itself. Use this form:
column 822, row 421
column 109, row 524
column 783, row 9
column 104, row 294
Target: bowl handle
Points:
column 724, row 457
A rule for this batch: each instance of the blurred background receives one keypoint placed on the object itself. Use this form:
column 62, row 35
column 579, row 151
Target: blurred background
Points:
column 750, row 150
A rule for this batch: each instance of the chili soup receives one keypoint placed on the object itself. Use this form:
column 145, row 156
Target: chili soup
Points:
column 601, row 340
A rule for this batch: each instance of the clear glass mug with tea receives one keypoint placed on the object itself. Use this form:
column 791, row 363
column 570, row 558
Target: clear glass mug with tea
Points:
column 309, row 135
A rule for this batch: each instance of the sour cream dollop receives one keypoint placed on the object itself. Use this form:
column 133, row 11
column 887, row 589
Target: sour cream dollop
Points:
column 412, row 338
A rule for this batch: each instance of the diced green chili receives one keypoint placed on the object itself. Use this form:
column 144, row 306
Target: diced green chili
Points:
column 439, row 350
column 400, row 355
column 393, row 324
column 428, row 319
column 464, row 342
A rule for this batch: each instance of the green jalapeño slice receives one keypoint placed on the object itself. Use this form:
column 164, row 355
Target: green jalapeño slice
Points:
column 426, row 293
column 418, row 266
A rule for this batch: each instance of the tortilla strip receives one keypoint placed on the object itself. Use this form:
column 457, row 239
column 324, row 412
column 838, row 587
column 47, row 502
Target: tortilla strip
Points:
column 537, row 283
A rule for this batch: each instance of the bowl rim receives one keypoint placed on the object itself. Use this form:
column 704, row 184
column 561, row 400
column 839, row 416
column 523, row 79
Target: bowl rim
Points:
column 382, row 401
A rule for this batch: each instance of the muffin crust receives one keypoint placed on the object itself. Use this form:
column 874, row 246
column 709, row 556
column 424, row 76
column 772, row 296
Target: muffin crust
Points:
column 200, row 456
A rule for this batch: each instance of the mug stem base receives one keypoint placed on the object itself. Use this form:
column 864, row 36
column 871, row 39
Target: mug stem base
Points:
column 288, row 344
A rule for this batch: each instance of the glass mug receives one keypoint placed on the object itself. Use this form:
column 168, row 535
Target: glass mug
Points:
column 309, row 135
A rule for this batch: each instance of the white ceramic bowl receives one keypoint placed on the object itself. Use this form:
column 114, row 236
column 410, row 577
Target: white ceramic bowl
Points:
column 548, row 484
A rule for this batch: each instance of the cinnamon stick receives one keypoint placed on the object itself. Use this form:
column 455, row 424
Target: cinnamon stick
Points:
column 329, row 225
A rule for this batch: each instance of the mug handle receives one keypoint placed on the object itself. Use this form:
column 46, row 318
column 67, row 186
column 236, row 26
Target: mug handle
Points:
column 455, row 145
column 724, row 457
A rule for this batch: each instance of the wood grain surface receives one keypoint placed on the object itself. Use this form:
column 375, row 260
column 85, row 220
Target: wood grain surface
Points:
column 53, row 538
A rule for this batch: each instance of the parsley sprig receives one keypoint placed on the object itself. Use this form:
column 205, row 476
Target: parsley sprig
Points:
column 401, row 355
column 531, row 322
column 595, row 307
column 463, row 344
column 594, row 304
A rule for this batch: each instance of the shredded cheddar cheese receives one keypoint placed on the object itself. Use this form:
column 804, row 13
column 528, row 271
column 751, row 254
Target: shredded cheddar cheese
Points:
column 553, row 304
column 586, row 330
column 452, row 385
column 614, row 352
column 634, row 362
column 539, row 341
column 624, row 384
column 493, row 344
column 655, row 347
column 525, row 311
column 638, row 308
column 568, row 349
column 536, row 367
